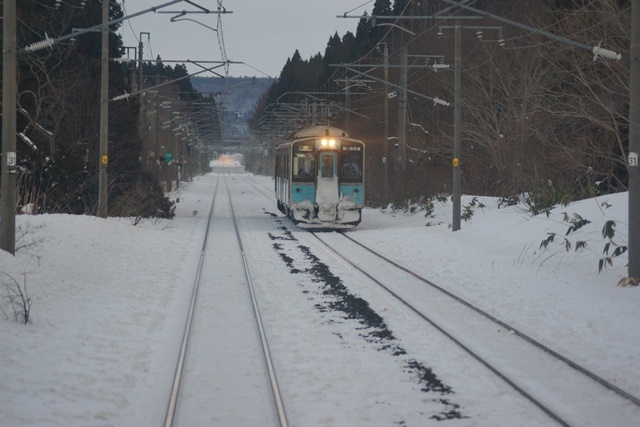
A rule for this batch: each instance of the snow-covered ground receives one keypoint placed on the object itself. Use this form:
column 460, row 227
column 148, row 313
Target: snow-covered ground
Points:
column 109, row 297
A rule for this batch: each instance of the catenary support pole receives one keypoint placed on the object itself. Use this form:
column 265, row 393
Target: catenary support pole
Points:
column 9, row 158
column 402, row 127
column 634, row 146
column 347, row 103
column 140, row 70
column 385, row 142
column 457, row 123
column 104, row 115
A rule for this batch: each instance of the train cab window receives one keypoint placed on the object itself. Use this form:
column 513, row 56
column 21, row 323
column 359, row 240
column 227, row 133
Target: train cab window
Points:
column 303, row 162
column 351, row 163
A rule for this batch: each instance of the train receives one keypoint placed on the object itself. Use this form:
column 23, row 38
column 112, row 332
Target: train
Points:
column 319, row 178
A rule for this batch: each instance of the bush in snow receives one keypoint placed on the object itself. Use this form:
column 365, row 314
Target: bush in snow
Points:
column 15, row 298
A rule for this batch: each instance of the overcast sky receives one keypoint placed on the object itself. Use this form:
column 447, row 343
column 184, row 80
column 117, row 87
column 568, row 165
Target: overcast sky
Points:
column 260, row 33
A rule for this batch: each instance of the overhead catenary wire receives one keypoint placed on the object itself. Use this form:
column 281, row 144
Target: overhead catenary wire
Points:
column 48, row 42
column 416, row 77
column 596, row 50
column 455, row 9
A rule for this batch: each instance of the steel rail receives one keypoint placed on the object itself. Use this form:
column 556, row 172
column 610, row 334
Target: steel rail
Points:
column 282, row 416
column 254, row 185
column 494, row 370
column 631, row 398
column 177, row 379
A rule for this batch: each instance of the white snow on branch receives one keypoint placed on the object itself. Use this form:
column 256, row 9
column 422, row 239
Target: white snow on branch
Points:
column 35, row 124
column 28, row 141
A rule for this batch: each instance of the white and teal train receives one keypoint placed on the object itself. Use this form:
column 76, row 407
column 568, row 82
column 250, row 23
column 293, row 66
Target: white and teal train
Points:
column 319, row 179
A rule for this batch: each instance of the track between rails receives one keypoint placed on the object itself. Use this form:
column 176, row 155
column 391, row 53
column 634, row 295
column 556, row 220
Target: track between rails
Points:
column 282, row 417
column 177, row 378
column 187, row 355
column 629, row 403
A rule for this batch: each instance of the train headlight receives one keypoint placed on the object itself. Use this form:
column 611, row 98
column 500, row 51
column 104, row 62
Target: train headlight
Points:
column 328, row 142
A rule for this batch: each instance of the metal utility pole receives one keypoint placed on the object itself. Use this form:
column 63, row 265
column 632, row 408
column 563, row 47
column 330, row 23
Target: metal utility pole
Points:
column 9, row 160
column 402, row 126
column 104, row 115
column 634, row 146
column 347, row 102
column 457, row 123
column 156, row 135
column 385, row 142
column 140, row 68
column 133, row 85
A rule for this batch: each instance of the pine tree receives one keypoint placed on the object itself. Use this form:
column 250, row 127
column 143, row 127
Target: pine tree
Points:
column 368, row 36
column 58, row 104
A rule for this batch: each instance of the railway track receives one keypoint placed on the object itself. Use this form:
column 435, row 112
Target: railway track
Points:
column 524, row 363
column 553, row 385
column 266, row 192
column 199, row 385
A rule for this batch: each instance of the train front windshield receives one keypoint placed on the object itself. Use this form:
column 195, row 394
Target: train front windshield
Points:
column 304, row 161
column 351, row 162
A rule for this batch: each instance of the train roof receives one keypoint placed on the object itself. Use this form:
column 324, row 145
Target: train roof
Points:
column 321, row 130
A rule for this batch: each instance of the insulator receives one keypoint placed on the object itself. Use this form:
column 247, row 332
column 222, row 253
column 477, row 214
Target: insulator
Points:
column 605, row 53
column 479, row 34
column 125, row 95
column 437, row 67
column 47, row 42
column 439, row 34
column 501, row 43
column 438, row 101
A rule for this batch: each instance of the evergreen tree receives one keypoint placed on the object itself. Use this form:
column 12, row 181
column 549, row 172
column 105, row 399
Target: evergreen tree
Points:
column 58, row 103
column 332, row 55
column 367, row 35
column 297, row 75
column 399, row 6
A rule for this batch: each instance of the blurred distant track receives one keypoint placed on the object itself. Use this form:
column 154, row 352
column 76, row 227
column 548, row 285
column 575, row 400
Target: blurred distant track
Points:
column 553, row 354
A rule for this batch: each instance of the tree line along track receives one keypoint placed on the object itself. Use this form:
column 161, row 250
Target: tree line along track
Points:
column 195, row 376
column 583, row 378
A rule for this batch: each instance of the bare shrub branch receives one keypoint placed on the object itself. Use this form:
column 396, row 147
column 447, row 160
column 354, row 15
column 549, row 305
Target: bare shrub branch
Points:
column 17, row 298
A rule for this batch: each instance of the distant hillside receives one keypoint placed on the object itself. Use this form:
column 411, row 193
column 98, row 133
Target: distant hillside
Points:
column 238, row 97
column 238, row 94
